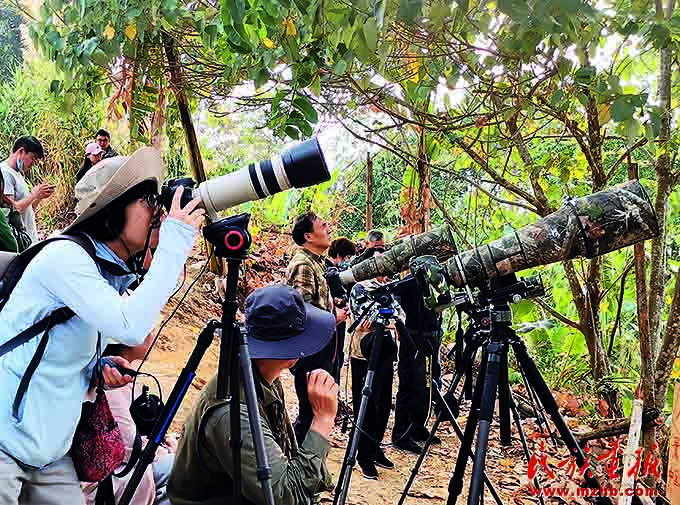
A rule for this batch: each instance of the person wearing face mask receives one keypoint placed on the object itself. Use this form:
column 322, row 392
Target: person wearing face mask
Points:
column 117, row 212
column 25, row 152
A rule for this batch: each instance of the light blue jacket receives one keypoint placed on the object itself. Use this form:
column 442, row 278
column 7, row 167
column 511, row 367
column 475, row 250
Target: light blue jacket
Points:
column 63, row 274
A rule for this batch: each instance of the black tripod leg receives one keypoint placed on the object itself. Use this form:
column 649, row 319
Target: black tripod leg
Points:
column 264, row 473
column 445, row 412
column 343, row 483
column 503, row 401
column 171, row 407
column 456, row 482
column 495, row 351
column 548, row 401
column 235, row 439
column 522, row 438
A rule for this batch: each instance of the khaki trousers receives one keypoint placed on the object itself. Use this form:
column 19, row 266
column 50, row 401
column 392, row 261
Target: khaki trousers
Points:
column 56, row 484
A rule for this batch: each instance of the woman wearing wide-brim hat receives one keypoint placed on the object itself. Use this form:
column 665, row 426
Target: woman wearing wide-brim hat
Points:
column 117, row 209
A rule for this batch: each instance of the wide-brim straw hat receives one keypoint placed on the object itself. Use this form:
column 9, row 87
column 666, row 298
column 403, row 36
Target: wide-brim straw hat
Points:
column 110, row 178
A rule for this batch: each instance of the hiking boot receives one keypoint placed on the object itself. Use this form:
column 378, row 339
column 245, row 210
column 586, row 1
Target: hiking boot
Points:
column 370, row 472
column 408, row 444
column 382, row 461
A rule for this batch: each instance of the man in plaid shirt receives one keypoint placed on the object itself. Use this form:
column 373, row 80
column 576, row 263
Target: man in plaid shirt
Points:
column 305, row 273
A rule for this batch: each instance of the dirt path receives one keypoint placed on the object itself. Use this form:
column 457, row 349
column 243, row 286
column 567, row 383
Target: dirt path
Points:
column 176, row 344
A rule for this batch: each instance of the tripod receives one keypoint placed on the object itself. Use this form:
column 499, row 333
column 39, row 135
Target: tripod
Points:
column 231, row 241
column 385, row 313
column 492, row 331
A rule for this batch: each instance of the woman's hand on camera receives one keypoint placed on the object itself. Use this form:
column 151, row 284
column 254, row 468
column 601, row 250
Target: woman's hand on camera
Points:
column 189, row 213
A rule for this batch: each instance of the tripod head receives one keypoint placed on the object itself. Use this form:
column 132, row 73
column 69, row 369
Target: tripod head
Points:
column 230, row 237
column 376, row 304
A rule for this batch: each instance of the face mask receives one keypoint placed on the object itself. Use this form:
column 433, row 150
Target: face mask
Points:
column 20, row 165
column 343, row 265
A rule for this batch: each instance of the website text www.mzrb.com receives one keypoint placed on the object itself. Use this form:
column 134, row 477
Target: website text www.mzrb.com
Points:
column 609, row 491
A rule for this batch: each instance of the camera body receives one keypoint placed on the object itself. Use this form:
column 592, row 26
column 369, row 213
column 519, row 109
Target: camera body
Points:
column 337, row 290
column 169, row 188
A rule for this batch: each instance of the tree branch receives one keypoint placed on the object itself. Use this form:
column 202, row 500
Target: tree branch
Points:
column 557, row 315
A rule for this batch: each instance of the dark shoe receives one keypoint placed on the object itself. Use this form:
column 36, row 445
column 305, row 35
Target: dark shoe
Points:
column 382, row 461
column 408, row 444
column 421, row 435
column 370, row 472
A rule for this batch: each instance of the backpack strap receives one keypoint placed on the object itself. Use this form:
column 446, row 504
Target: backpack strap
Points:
column 9, row 281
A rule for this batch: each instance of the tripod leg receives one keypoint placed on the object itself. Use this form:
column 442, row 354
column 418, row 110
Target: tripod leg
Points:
column 350, row 459
column 523, row 438
column 444, row 412
column 235, row 438
column 456, row 482
column 264, row 473
column 548, row 401
column 495, row 353
column 171, row 407
column 503, row 401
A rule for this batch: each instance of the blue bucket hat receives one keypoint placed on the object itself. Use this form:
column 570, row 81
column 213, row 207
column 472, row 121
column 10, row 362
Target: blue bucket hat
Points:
column 280, row 325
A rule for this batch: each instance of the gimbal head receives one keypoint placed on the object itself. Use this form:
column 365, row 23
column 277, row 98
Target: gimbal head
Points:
column 434, row 283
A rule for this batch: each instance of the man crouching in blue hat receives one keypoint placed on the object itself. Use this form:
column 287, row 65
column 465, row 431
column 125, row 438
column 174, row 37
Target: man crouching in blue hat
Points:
column 281, row 329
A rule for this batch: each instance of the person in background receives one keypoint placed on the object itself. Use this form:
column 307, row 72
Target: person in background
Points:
column 370, row 454
column 103, row 138
column 339, row 253
column 418, row 366
column 151, row 490
column 306, row 274
column 375, row 239
column 7, row 241
column 281, row 328
column 93, row 155
column 25, row 153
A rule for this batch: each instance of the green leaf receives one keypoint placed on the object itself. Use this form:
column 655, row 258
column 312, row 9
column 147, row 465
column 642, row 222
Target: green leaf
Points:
column 371, row 34
column 304, row 105
column 340, row 67
column 261, row 78
column 100, row 57
column 315, row 86
column 585, row 75
column 292, row 132
column 409, row 10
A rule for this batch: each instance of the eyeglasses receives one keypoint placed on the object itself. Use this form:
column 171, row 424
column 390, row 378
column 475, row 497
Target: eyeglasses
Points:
column 378, row 249
column 152, row 200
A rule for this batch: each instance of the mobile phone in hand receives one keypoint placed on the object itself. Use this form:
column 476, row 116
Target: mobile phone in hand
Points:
column 123, row 370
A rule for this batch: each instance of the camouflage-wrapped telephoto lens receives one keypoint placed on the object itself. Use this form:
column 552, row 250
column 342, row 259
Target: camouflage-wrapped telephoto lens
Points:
column 437, row 242
column 584, row 227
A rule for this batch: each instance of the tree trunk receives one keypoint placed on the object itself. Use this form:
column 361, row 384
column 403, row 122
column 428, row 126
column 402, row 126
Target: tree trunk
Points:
column 157, row 121
column 177, row 84
column 647, row 365
column 587, row 306
column 197, row 170
column 369, row 192
column 424, row 190
column 657, row 290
